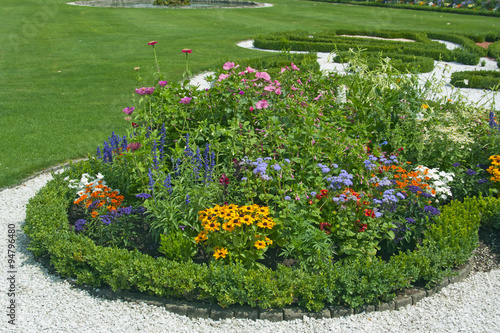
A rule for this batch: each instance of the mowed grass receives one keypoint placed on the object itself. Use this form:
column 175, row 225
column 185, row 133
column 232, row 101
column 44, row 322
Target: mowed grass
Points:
column 66, row 72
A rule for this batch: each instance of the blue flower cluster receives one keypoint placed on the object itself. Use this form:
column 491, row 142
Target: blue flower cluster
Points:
column 261, row 165
column 344, row 178
column 122, row 211
column 114, row 145
column 370, row 165
column 416, row 189
column 80, row 224
column 432, row 211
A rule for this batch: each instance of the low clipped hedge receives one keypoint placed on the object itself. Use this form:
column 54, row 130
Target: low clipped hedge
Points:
column 333, row 41
column 494, row 51
column 274, row 62
column 402, row 62
column 476, row 79
column 369, row 280
column 464, row 11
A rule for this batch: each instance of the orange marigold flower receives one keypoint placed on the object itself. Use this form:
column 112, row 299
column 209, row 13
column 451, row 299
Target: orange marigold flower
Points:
column 94, row 214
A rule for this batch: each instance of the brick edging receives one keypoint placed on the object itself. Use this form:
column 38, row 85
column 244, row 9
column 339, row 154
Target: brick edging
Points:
column 216, row 312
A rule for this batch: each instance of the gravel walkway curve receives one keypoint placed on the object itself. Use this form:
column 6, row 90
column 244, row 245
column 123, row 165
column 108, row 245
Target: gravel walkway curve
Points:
column 46, row 303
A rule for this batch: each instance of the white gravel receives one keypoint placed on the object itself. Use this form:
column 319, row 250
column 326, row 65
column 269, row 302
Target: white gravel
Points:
column 45, row 303
column 440, row 77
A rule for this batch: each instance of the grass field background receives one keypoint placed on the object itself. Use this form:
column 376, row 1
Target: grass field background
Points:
column 66, row 72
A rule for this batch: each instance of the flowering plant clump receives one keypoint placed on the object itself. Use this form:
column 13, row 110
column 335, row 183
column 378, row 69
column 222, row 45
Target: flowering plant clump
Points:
column 238, row 234
column 288, row 159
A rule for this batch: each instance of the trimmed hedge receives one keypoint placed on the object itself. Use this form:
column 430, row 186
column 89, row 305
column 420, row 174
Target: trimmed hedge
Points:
column 494, row 50
column 333, row 41
column 274, row 62
column 369, row 280
column 402, row 62
column 415, row 7
column 476, row 79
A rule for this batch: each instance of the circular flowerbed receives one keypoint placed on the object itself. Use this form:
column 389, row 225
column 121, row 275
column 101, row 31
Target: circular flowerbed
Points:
column 276, row 189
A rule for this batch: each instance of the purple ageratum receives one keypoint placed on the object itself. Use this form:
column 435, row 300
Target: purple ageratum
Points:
column 79, row 225
column 129, row 110
column 470, row 172
column 456, row 164
column 324, row 168
column 287, row 198
column 344, row 178
column 185, row 100
column 143, row 195
column 433, row 211
column 277, row 167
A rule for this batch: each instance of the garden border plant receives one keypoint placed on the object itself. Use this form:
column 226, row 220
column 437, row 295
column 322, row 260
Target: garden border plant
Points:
column 334, row 41
column 449, row 243
column 458, row 7
column 476, row 79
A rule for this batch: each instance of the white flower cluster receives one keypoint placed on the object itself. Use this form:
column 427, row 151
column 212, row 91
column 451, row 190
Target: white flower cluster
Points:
column 341, row 95
column 84, row 181
column 437, row 180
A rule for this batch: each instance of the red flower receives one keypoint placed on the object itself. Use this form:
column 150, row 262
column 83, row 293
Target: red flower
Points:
column 153, row 43
column 369, row 213
column 363, row 227
column 134, row 125
column 325, row 227
column 186, row 51
column 223, row 180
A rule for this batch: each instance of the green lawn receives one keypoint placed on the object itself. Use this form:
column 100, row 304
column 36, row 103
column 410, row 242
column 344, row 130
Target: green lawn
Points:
column 66, row 72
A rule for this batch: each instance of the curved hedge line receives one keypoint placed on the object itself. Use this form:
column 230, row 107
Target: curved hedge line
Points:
column 402, row 62
column 333, row 41
column 448, row 243
column 476, row 79
column 415, row 7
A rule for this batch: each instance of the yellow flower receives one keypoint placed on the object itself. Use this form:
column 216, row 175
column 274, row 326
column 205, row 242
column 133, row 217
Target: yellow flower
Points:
column 247, row 219
column 247, row 209
column 260, row 244
column 425, row 106
column 202, row 236
column 212, row 226
column 268, row 241
column 228, row 226
column 236, row 222
column 263, row 211
column 266, row 223
column 220, row 252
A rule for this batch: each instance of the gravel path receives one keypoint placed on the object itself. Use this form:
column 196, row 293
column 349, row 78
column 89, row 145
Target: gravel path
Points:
column 46, row 303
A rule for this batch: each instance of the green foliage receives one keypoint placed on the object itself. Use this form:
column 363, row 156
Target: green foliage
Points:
column 494, row 50
column 177, row 246
column 483, row 8
column 338, row 41
column 171, row 3
column 449, row 242
column 476, row 79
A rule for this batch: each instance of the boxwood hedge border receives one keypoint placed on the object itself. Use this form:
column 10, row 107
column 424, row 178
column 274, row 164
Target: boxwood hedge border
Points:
column 219, row 291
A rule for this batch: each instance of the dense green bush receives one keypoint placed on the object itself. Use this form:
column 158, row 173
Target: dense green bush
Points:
column 448, row 243
column 333, row 41
column 476, row 79
column 171, row 2
column 416, row 6
column 494, row 50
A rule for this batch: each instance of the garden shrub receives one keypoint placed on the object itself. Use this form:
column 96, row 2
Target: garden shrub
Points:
column 483, row 8
column 494, row 50
column 333, row 41
column 476, row 79
column 273, row 190
column 448, row 243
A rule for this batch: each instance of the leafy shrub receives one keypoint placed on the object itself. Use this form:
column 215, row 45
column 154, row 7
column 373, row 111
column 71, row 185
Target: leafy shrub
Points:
column 449, row 242
column 494, row 50
column 476, row 79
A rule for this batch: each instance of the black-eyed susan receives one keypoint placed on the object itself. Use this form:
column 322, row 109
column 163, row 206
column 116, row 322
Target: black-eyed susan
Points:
column 220, row 252
column 237, row 221
column 260, row 244
column 246, row 209
column 228, row 226
column 212, row 226
column 269, row 241
column 247, row 219
column 266, row 223
column 263, row 211
column 202, row 236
